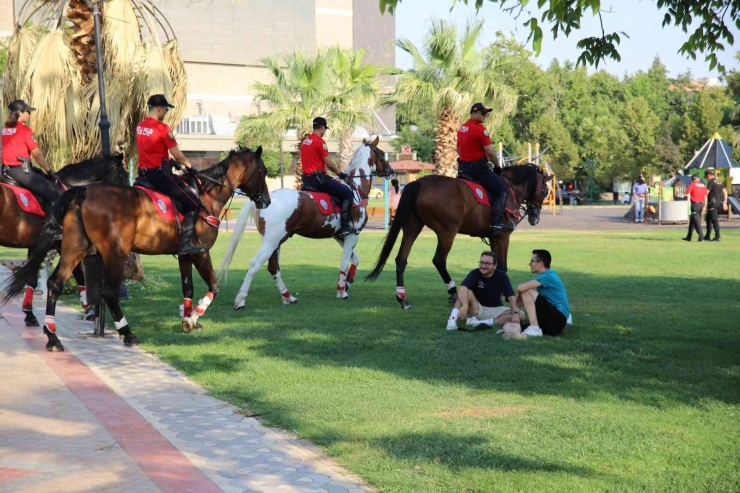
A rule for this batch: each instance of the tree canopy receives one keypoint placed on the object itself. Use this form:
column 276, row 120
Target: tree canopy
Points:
column 707, row 21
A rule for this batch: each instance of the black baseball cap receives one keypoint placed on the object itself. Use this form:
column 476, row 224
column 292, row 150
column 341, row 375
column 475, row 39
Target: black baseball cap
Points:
column 710, row 172
column 479, row 107
column 20, row 105
column 695, row 176
column 158, row 100
column 320, row 122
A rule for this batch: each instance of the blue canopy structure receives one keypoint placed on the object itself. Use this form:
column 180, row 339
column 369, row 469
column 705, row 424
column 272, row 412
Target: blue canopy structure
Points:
column 716, row 153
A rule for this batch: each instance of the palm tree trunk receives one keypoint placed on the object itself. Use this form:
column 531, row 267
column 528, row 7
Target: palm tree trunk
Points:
column 298, row 171
column 82, row 40
column 446, row 152
column 345, row 148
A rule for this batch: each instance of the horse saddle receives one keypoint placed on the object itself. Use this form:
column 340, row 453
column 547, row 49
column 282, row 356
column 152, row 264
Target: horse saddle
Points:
column 163, row 204
column 27, row 201
column 479, row 192
column 327, row 204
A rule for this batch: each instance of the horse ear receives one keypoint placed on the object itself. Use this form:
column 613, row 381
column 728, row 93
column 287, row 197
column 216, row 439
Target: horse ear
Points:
column 377, row 139
column 258, row 153
column 364, row 140
column 549, row 178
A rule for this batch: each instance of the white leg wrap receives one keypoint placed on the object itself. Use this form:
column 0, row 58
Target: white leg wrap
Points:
column 121, row 323
column 203, row 304
column 450, row 285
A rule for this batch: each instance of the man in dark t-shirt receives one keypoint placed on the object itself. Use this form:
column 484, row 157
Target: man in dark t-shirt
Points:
column 479, row 295
column 717, row 201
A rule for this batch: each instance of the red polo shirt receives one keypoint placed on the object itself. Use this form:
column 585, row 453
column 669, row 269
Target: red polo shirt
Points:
column 471, row 137
column 154, row 140
column 697, row 191
column 313, row 151
column 18, row 142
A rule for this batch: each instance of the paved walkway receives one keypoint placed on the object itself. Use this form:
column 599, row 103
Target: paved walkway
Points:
column 101, row 417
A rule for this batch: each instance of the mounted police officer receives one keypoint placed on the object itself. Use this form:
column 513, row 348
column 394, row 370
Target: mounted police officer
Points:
column 315, row 159
column 476, row 156
column 156, row 142
column 19, row 146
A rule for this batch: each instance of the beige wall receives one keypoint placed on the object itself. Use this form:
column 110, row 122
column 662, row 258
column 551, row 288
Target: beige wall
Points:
column 334, row 21
column 223, row 89
column 6, row 18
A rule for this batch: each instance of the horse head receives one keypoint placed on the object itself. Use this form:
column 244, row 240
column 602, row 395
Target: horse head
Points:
column 539, row 193
column 253, row 180
column 529, row 183
column 368, row 160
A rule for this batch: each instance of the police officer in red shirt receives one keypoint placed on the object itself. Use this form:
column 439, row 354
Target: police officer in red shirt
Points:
column 697, row 193
column 156, row 143
column 315, row 159
column 19, row 145
column 476, row 152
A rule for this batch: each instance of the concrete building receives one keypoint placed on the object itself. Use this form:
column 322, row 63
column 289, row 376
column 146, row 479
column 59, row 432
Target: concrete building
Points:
column 223, row 41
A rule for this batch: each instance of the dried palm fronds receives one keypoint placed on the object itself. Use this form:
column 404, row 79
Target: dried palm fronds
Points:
column 20, row 50
column 51, row 83
column 176, row 70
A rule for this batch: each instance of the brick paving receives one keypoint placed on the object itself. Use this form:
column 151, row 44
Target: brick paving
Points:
column 103, row 417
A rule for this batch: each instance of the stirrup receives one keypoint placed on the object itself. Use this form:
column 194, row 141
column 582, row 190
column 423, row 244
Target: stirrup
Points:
column 344, row 232
column 498, row 227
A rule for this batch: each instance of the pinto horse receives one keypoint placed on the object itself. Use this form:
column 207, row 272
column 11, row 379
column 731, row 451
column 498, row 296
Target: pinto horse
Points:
column 448, row 206
column 118, row 220
column 297, row 212
column 20, row 229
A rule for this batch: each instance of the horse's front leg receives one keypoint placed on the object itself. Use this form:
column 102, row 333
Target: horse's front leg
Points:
column 354, row 262
column 186, row 277
column 348, row 246
column 500, row 244
column 205, row 268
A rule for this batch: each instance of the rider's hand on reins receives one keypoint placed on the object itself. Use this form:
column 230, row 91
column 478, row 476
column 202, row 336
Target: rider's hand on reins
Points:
column 342, row 176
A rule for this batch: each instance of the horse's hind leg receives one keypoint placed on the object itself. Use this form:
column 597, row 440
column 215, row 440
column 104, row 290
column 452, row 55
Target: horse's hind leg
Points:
column 88, row 310
column 115, row 262
column 27, row 307
column 411, row 229
column 268, row 247
column 444, row 245
column 273, row 265
column 205, row 268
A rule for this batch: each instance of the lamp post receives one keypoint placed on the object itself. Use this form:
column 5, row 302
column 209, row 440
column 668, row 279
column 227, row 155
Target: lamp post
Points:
column 104, row 124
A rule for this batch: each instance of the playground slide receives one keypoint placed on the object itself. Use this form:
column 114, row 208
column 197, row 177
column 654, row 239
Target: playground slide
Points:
column 734, row 204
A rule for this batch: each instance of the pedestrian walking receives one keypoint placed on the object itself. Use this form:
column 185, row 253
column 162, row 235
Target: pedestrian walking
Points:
column 639, row 194
column 717, row 200
column 697, row 194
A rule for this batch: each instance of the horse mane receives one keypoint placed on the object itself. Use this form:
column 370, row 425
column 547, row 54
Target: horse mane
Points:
column 355, row 162
column 523, row 174
column 72, row 167
column 218, row 171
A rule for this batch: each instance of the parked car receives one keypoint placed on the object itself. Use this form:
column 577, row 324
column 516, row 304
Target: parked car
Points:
column 376, row 193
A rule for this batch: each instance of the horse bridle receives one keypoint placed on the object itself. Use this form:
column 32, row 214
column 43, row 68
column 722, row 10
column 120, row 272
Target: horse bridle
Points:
column 522, row 200
column 387, row 171
column 253, row 198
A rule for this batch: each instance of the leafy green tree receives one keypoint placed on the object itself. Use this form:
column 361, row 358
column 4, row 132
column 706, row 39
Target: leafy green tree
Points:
column 709, row 21
column 421, row 142
column 449, row 75
column 641, row 125
column 702, row 119
column 652, row 86
column 667, row 153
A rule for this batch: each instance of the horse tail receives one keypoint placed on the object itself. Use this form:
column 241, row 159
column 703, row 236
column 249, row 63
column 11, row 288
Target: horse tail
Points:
column 406, row 207
column 241, row 223
column 51, row 229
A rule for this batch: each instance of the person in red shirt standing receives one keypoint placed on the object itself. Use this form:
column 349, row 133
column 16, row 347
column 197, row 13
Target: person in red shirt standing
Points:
column 156, row 143
column 315, row 159
column 19, row 145
column 697, row 193
column 476, row 152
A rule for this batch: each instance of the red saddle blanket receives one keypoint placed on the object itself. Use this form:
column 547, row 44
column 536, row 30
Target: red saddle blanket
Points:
column 163, row 204
column 478, row 192
column 325, row 203
column 26, row 200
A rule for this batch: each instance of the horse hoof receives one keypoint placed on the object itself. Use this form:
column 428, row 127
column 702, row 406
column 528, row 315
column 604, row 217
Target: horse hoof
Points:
column 52, row 346
column 89, row 314
column 31, row 320
column 187, row 326
column 342, row 295
column 130, row 340
column 239, row 305
column 198, row 326
column 404, row 304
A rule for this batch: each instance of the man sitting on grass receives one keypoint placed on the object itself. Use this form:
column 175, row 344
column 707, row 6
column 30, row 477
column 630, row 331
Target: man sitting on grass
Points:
column 480, row 296
column 544, row 298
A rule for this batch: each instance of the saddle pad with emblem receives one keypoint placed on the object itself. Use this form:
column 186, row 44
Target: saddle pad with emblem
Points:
column 478, row 192
column 162, row 204
column 27, row 201
column 325, row 203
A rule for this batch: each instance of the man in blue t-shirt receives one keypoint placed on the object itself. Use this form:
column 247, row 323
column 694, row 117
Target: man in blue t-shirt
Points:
column 479, row 295
column 544, row 298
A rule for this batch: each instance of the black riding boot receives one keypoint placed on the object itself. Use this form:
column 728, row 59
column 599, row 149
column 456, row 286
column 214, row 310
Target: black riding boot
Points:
column 345, row 229
column 497, row 210
column 186, row 246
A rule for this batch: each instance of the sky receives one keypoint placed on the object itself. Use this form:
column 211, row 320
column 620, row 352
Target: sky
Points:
column 640, row 19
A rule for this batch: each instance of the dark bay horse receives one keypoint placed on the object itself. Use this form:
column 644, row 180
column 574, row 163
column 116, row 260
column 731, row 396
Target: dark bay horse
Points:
column 117, row 220
column 296, row 212
column 20, row 229
column 447, row 206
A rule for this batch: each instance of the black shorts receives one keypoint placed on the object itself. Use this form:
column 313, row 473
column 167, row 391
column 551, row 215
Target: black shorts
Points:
column 550, row 319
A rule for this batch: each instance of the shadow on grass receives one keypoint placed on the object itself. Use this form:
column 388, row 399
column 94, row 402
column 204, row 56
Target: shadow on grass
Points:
column 648, row 340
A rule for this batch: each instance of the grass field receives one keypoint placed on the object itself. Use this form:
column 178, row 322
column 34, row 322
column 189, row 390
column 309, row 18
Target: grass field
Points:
column 641, row 394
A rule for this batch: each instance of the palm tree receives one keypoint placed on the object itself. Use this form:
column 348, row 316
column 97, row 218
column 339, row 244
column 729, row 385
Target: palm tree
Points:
column 449, row 74
column 333, row 83
column 354, row 95
column 51, row 64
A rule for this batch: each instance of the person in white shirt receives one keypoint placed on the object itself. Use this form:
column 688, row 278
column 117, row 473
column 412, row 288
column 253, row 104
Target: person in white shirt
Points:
column 639, row 196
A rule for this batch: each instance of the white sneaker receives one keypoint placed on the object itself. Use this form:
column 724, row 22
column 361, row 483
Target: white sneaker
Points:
column 532, row 331
column 451, row 324
column 473, row 322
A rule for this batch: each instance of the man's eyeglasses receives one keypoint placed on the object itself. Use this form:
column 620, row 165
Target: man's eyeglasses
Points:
column 485, row 263
column 534, row 260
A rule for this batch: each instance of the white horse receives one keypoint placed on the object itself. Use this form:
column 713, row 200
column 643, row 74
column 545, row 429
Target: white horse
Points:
column 300, row 212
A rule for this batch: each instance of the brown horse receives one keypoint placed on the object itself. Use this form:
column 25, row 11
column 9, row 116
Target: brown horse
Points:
column 295, row 212
column 118, row 220
column 20, row 229
column 448, row 206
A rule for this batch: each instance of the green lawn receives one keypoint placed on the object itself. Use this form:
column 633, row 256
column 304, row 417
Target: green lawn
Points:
column 641, row 394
